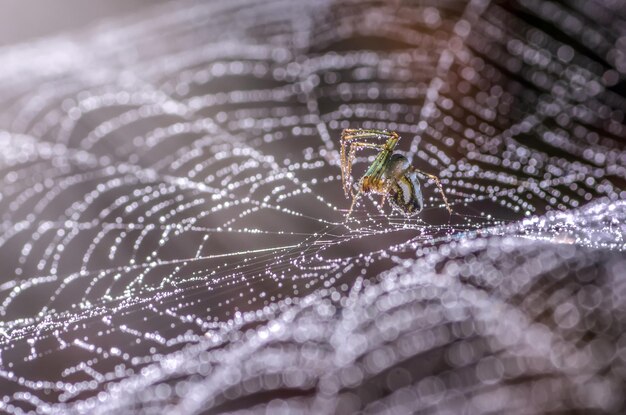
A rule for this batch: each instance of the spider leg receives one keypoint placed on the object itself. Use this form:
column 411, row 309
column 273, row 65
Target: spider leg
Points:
column 385, row 192
column 438, row 183
column 350, row 134
column 355, row 198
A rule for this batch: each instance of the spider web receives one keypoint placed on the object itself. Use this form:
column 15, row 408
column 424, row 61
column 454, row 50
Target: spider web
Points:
column 172, row 226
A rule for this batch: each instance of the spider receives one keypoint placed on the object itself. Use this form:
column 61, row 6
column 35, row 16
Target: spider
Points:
column 390, row 174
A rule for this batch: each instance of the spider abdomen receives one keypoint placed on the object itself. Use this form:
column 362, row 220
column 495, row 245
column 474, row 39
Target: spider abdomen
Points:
column 406, row 194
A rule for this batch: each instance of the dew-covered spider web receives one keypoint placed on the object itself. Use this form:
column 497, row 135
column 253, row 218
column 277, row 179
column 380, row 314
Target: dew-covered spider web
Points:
column 172, row 234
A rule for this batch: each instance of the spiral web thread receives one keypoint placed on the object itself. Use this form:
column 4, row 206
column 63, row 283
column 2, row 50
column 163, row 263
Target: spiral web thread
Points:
column 172, row 220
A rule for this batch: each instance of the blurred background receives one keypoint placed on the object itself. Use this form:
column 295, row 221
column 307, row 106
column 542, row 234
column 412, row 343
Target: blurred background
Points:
column 22, row 21
column 172, row 221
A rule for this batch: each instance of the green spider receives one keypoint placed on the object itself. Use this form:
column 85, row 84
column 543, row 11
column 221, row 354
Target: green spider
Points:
column 390, row 174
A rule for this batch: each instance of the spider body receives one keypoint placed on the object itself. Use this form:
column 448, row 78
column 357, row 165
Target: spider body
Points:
column 397, row 182
column 390, row 174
